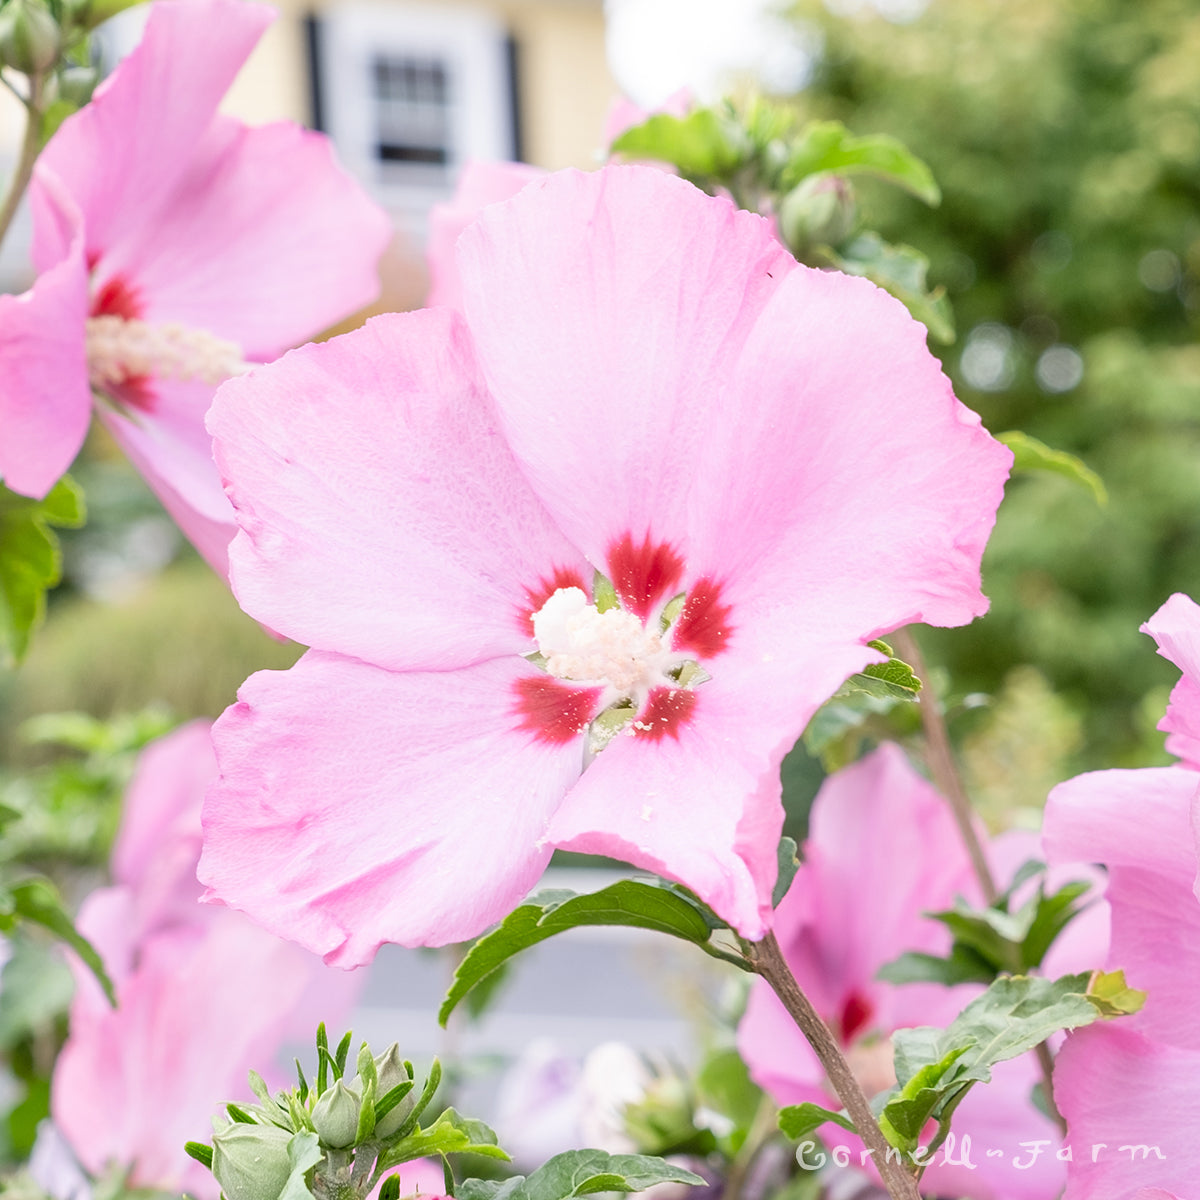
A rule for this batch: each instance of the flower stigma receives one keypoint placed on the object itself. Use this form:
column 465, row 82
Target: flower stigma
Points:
column 122, row 349
column 604, row 646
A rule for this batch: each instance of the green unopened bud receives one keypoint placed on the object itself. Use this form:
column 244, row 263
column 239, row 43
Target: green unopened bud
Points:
column 76, row 84
column 30, row 40
column 77, row 13
column 335, row 1117
column 820, row 211
column 251, row 1162
column 390, row 1072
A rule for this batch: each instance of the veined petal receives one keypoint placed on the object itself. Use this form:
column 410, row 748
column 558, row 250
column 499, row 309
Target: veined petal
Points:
column 265, row 240
column 652, row 350
column 480, row 184
column 358, row 806
column 382, row 513
column 1176, row 629
column 45, row 401
column 1139, row 824
column 1133, row 1108
column 121, row 156
column 168, row 444
column 608, row 308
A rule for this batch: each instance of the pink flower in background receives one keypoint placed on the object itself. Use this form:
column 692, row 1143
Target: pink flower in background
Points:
column 645, row 385
column 1136, row 1083
column 208, row 245
column 879, row 821
column 480, row 184
column 203, row 994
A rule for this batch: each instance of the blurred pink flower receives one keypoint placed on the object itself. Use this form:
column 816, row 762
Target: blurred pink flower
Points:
column 645, row 384
column 1132, row 1088
column 208, row 246
column 878, row 820
column 203, row 994
column 1176, row 629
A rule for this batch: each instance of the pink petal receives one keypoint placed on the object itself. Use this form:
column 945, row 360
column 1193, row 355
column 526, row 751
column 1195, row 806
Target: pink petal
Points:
column 45, row 401
column 170, row 447
column 406, row 808
column 1138, row 823
column 158, row 845
column 122, row 156
column 1120, row 1091
column 480, row 184
column 382, row 514
column 264, row 240
column 204, row 1006
column 1176, row 629
column 670, row 322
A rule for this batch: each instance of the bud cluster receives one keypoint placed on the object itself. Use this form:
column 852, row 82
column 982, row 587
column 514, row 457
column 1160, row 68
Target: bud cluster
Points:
column 333, row 1137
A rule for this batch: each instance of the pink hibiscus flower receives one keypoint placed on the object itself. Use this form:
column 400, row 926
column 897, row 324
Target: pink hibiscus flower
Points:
column 208, row 246
column 203, row 994
column 646, row 385
column 1130, row 1091
column 880, row 820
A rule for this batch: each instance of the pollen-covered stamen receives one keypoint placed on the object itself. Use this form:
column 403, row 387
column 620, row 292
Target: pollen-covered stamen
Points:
column 610, row 649
column 120, row 349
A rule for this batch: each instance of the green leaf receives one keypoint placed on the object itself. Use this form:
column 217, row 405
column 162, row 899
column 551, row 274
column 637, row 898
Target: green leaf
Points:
column 37, row 900
column 1031, row 455
column 449, row 1134
column 962, row 965
column 580, row 1173
column 789, row 864
column 1112, row 998
column 629, row 902
column 900, row 270
column 797, row 1121
column 704, row 144
column 828, row 147
column 934, row 1067
column 36, row 987
column 30, row 560
column 895, row 671
column 725, row 1086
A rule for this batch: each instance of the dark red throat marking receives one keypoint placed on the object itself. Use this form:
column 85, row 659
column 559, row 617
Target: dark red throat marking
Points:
column 856, row 1015
column 643, row 575
column 703, row 627
column 115, row 298
column 667, row 711
column 553, row 711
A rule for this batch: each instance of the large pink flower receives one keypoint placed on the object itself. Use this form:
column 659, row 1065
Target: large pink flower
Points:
column 1131, row 1091
column 208, row 245
column 879, row 820
column 765, row 462
column 203, row 994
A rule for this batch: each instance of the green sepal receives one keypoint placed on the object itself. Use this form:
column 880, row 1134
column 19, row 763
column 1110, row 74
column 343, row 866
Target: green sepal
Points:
column 1031, row 455
column 200, row 1152
column 789, row 864
column 449, row 1134
column 390, row 1188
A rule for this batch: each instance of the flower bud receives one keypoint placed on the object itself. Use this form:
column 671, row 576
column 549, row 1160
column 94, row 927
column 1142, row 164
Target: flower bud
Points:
column 77, row 84
column 30, row 40
column 335, row 1117
column 390, row 1072
column 820, row 211
column 251, row 1162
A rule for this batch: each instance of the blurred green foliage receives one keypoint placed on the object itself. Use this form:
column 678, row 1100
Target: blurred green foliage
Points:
column 1066, row 140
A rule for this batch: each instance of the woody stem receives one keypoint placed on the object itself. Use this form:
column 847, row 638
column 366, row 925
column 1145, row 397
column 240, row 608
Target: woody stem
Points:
column 26, row 157
column 768, row 961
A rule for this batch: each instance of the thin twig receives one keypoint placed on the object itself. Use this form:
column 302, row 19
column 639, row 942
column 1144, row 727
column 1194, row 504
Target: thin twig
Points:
column 949, row 782
column 769, row 963
column 942, row 765
column 30, row 145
